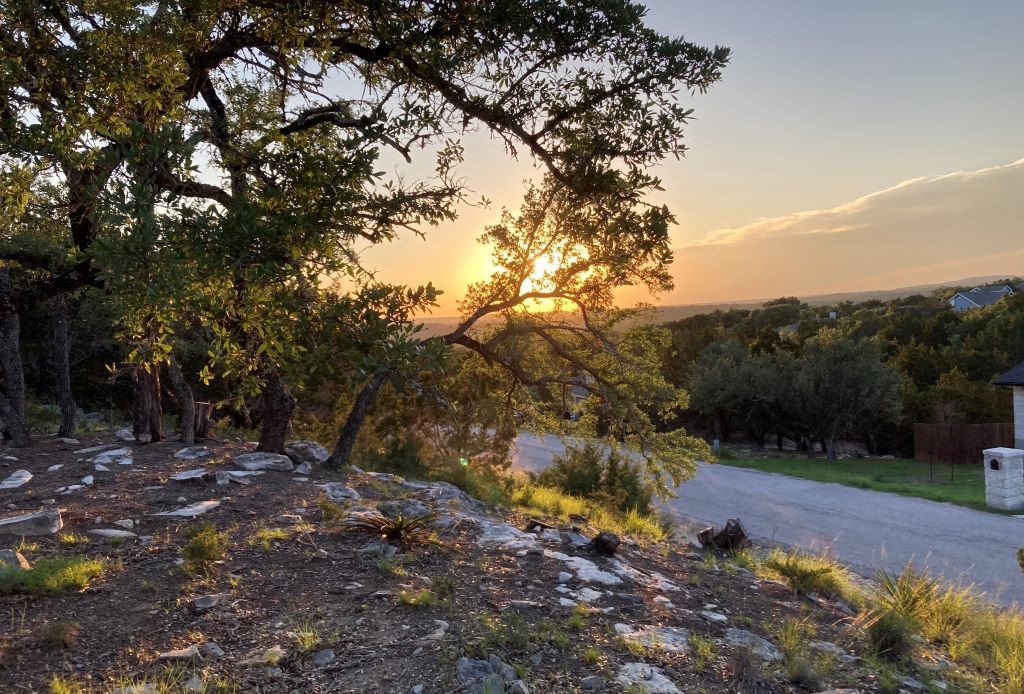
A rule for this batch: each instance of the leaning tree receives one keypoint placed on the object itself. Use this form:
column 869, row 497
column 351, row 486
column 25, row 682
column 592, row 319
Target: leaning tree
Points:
column 231, row 154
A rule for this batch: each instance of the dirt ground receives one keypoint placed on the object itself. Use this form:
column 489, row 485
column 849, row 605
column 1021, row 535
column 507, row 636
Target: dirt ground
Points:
column 291, row 591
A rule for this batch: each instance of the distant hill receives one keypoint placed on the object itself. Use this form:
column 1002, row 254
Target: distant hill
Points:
column 436, row 325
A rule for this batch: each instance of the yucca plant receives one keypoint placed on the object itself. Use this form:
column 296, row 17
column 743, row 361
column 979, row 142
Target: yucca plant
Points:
column 402, row 531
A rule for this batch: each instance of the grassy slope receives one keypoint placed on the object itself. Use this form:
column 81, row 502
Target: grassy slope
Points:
column 906, row 477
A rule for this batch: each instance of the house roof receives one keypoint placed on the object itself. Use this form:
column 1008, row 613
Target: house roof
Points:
column 1013, row 377
column 988, row 294
column 982, row 296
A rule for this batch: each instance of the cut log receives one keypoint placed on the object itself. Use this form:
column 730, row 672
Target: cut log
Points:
column 731, row 537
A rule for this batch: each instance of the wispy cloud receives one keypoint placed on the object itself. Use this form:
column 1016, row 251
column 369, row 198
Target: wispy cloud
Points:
column 924, row 230
column 915, row 200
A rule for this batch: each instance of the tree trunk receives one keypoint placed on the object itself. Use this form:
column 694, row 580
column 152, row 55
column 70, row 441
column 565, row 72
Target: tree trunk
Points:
column 809, row 446
column 356, row 417
column 204, row 410
column 830, row 447
column 278, row 405
column 778, row 441
column 186, row 403
column 147, row 410
column 62, row 366
column 12, row 407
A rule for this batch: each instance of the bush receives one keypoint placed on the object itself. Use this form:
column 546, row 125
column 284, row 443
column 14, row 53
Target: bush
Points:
column 610, row 479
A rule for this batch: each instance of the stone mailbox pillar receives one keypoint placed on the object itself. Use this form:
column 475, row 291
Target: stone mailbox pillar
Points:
column 1018, row 416
column 1004, row 478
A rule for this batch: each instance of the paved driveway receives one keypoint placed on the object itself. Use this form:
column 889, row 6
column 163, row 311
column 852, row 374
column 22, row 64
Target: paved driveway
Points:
column 865, row 529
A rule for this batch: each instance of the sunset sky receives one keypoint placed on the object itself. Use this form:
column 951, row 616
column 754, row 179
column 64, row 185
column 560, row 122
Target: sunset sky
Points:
column 849, row 146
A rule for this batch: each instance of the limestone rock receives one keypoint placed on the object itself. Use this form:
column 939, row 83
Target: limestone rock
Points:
column 594, row 683
column 16, row 479
column 207, row 602
column 645, row 678
column 336, row 491
column 667, row 639
column 118, row 456
column 761, row 647
column 95, row 449
column 193, row 453
column 192, row 510
column 54, row 468
column 125, row 523
column 113, row 533
column 714, row 617
column 197, row 474
column 260, row 460
column 124, row 434
column 305, row 451
column 12, row 559
column 41, row 523
column 191, row 653
column 211, row 650
column 324, row 657
column 303, row 469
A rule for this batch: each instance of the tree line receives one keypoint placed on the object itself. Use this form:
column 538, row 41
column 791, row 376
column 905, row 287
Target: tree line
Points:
column 860, row 370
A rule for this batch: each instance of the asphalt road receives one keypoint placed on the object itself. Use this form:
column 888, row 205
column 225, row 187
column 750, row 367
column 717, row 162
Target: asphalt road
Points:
column 864, row 529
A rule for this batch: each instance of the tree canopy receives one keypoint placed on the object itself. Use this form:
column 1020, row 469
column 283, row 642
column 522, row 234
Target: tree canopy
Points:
column 212, row 169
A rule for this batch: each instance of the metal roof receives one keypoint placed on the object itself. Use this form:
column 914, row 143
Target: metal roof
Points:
column 1013, row 377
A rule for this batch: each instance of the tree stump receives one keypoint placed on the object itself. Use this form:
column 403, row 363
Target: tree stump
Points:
column 731, row 537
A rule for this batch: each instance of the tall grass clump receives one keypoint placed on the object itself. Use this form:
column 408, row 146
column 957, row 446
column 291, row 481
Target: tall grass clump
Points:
column 808, row 573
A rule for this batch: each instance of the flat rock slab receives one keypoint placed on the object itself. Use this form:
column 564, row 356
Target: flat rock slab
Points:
column 196, row 474
column 259, row 461
column 190, row 653
column 119, row 456
column 54, row 468
column 113, row 533
column 193, row 453
column 336, row 491
column 95, row 449
column 207, row 602
column 586, row 570
column 42, row 523
column 667, row 639
column 16, row 479
column 762, row 648
column 192, row 510
column 645, row 678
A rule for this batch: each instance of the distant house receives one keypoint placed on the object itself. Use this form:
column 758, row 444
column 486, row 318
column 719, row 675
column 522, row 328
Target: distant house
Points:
column 982, row 296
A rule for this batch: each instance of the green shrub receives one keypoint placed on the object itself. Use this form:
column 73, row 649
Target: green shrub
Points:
column 204, row 547
column 608, row 479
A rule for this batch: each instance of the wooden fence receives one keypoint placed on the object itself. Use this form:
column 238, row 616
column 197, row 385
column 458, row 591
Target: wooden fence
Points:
column 958, row 443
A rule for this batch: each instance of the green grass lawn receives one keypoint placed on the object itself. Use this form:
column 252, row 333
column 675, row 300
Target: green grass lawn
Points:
column 907, row 477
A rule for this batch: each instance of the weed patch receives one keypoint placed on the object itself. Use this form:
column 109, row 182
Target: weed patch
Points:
column 51, row 575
